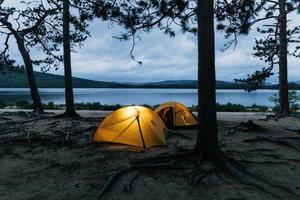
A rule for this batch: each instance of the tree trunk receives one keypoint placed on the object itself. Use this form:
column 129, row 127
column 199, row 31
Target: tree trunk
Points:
column 35, row 95
column 283, row 74
column 207, row 140
column 70, row 109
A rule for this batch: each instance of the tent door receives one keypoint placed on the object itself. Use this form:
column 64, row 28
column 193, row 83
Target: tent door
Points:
column 169, row 118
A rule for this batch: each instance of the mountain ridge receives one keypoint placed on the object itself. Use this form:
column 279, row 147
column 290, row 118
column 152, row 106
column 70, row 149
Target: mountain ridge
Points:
column 14, row 79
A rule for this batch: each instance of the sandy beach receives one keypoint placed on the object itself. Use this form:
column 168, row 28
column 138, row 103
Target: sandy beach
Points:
column 38, row 162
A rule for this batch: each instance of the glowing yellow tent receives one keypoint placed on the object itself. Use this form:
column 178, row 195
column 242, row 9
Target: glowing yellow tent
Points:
column 133, row 125
column 175, row 114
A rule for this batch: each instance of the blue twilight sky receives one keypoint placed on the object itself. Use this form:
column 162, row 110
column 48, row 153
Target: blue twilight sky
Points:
column 104, row 58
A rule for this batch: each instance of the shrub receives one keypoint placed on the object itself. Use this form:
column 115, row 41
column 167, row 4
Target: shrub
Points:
column 96, row 106
column 24, row 104
column 257, row 108
column 2, row 104
column 230, row 107
column 293, row 101
column 50, row 106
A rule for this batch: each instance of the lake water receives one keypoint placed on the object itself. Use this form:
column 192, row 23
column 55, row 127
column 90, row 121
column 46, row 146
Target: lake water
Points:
column 138, row 96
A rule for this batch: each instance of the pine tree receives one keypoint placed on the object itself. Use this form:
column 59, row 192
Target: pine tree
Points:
column 238, row 17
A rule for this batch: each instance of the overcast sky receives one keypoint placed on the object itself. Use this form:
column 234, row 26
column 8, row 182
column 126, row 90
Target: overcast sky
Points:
column 104, row 58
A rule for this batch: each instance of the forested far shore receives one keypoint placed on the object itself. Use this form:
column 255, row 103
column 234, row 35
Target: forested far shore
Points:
column 18, row 79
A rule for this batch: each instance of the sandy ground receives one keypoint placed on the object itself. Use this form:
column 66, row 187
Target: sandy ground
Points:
column 50, row 168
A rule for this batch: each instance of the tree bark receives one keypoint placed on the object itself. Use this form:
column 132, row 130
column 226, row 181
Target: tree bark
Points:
column 283, row 72
column 70, row 109
column 207, row 140
column 35, row 95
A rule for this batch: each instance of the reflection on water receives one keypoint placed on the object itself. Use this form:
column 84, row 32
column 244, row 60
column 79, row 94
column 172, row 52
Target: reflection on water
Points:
column 137, row 96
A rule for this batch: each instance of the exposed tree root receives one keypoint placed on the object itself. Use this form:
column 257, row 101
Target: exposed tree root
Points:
column 55, row 123
column 296, row 130
column 185, row 154
column 128, row 185
column 64, row 137
column 277, row 141
column 260, row 149
column 7, row 124
column 239, row 172
column 66, row 115
column 5, row 119
column 245, row 127
column 222, row 178
column 253, row 161
column 276, row 157
column 35, row 120
column 171, row 133
column 260, row 162
column 5, row 114
column 25, row 139
column 92, row 119
column 112, row 178
column 74, row 133
column 280, row 187
column 280, row 157
column 235, row 168
column 30, row 139
column 288, row 138
column 276, row 117
column 196, row 178
column 11, row 130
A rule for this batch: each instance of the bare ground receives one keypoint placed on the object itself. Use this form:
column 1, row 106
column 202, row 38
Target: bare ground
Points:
column 54, row 159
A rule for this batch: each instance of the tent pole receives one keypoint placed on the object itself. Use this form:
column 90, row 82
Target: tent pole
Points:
column 140, row 130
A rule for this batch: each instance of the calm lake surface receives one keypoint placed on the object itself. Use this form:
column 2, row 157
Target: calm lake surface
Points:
column 138, row 96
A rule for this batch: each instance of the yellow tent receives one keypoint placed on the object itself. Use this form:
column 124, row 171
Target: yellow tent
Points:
column 175, row 114
column 133, row 125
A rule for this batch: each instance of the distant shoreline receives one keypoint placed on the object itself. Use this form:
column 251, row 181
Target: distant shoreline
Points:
column 298, row 89
column 46, row 80
column 229, row 107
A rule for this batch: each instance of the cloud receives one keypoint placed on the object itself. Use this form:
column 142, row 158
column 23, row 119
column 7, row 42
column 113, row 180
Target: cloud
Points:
column 105, row 58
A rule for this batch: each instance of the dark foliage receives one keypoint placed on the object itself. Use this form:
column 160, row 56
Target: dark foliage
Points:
column 142, row 16
column 40, row 25
column 2, row 104
column 237, row 17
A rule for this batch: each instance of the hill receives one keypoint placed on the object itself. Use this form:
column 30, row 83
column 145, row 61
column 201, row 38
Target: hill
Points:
column 14, row 79
column 44, row 80
column 188, row 84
